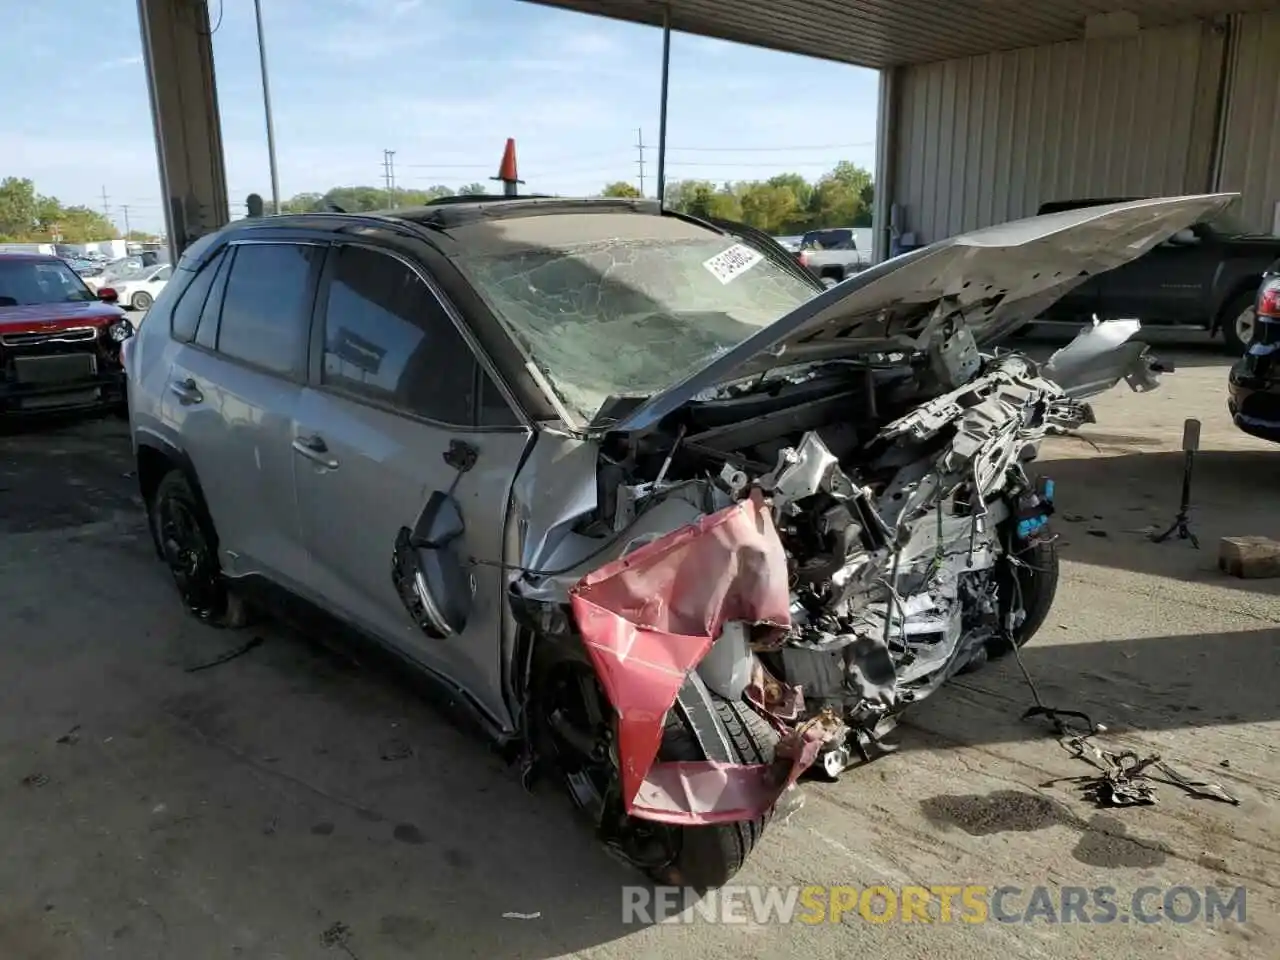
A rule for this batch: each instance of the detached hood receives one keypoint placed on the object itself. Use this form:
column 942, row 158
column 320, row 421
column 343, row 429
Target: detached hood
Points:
column 997, row 278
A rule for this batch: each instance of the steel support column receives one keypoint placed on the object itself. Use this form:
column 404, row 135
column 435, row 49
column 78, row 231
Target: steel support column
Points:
column 887, row 135
column 178, row 53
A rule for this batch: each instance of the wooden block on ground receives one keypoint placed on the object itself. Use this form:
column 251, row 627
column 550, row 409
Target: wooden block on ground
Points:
column 1251, row 558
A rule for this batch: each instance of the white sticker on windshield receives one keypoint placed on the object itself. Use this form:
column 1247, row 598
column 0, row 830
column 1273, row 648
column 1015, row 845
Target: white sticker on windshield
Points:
column 735, row 261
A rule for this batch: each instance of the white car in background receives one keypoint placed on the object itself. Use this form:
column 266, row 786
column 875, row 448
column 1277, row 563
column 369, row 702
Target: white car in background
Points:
column 139, row 290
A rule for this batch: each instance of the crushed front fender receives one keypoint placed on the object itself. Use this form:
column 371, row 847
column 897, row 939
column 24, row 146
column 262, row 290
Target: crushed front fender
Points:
column 648, row 618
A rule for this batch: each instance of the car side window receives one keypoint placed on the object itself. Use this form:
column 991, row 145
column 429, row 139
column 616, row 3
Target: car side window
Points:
column 266, row 307
column 207, row 332
column 187, row 311
column 389, row 339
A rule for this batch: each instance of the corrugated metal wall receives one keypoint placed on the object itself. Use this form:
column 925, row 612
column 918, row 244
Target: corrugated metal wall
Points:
column 1251, row 141
column 988, row 139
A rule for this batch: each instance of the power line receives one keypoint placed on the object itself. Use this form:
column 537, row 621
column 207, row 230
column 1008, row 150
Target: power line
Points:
column 827, row 146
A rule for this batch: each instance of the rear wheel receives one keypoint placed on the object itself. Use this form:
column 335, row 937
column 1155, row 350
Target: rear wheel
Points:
column 1239, row 322
column 184, row 531
column 574, row 727
column 141, row 301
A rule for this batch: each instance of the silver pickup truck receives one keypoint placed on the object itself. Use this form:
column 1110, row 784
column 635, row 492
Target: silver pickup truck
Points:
column 833, row 253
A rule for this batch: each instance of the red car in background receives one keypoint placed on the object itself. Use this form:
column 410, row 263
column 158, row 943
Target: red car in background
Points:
column 60, row 343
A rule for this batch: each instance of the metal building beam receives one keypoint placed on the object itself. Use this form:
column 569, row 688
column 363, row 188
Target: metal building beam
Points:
column 887, row 150
column 178, row 53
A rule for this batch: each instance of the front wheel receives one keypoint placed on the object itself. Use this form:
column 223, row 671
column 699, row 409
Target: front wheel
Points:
column 574, row 730
column 141, row 301
column 1033, row 580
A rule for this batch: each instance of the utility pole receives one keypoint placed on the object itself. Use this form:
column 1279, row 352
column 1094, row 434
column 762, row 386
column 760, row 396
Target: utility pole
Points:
column 125, row 208
column 389, row 175
column 640, row 147
column 106, row 209
column 266, row 106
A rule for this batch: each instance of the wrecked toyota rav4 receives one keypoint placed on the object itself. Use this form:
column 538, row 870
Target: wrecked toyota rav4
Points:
column 682, row 525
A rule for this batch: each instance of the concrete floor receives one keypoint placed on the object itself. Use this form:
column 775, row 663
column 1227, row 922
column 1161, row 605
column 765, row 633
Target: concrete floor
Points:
column 290, row 804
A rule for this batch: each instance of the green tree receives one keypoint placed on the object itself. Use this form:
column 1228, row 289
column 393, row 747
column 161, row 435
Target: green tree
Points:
column 769, row 207
column 785, row 203
column 27, row 216
column 81, row 224
column 842, row 197
column 303, row 203
column 620, row 188
column 17, row 208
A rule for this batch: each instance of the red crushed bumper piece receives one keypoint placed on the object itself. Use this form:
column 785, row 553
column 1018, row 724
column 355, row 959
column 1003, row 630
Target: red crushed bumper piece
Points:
column 650, row 617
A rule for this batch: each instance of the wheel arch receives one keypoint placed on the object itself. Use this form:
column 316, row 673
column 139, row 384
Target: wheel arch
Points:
column 155, row 458
column 1234, row 292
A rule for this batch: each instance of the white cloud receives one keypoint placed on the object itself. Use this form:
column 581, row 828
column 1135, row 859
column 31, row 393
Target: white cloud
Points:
column 588, row 43
column 123, row 62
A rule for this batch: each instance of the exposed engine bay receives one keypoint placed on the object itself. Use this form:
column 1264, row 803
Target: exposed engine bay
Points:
column 903, row 509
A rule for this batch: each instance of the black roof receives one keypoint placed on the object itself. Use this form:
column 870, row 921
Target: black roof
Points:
column 454, row 211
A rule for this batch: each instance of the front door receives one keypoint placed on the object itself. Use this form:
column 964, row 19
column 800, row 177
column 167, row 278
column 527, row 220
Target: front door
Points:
column 393, row 384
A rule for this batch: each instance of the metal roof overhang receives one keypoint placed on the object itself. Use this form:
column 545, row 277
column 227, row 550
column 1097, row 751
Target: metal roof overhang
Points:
column 887, row 33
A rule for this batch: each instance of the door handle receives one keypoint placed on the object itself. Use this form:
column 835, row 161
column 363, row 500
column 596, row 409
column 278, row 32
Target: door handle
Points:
column 314, row 448
column 187, row 391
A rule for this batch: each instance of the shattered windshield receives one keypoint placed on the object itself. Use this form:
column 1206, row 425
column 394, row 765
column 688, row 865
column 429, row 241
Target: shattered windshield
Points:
column 622, row 305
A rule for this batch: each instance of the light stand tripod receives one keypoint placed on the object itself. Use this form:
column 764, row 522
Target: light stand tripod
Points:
column 1181, row 523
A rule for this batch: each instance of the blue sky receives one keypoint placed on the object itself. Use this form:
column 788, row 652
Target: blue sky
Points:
column 441, row 82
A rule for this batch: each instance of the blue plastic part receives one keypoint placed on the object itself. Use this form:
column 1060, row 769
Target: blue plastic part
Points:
column 1030, row 525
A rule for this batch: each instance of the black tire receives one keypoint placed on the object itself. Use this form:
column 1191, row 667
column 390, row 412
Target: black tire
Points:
column 141, row 301
column 1036, row 581
column 1236, row 345
column 710, row 856
column 704, row 857
column 185, row 534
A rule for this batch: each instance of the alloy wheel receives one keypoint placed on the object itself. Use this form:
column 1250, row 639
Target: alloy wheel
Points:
column 1246, row 324
column 191, row 560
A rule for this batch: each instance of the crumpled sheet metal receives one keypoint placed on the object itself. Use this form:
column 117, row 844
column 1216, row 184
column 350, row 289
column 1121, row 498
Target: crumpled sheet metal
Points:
column 648, row 618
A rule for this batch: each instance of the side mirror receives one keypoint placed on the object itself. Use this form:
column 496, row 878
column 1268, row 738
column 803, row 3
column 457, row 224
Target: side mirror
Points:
column 108, row 295
column 1184, row 237
column 428, row 572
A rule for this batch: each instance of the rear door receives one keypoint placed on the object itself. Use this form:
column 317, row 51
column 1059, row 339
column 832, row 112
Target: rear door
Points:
column 232, row 395
column 394, row 382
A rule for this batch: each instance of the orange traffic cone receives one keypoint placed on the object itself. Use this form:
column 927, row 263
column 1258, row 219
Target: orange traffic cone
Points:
column 507, row 169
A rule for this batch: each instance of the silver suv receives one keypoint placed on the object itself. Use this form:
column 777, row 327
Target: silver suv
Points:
column 673, row 521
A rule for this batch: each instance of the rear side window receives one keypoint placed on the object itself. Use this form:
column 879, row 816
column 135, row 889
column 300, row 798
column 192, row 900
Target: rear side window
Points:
column 186, row 314
column 388, row 338
column 266, row 308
